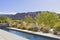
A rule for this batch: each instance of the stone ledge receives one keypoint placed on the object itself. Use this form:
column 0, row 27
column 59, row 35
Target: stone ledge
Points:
column 38, row 33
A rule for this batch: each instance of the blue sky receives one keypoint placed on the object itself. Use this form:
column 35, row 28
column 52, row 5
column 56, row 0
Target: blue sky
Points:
column 13, row 6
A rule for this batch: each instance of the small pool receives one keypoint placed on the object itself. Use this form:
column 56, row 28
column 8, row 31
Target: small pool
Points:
column 28, row 36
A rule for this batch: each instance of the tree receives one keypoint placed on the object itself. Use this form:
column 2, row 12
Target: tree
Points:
column 47, row 18
column 53, row 18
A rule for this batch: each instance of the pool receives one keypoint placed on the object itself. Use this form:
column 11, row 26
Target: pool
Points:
column 28, row 36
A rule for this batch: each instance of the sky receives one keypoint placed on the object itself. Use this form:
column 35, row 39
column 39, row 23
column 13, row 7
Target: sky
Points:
column 14, row 6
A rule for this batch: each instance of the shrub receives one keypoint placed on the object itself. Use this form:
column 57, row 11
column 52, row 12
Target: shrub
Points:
column 32, row 26
column 57, row 28
column 23, row 27
column 29, row 28
column 55, row 32
column 45, row 29
column 35, row 28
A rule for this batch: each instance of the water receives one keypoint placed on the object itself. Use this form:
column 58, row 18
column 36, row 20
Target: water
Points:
column 28, row 36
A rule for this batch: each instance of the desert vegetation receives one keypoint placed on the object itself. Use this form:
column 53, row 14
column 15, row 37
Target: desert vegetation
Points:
column 44, row 21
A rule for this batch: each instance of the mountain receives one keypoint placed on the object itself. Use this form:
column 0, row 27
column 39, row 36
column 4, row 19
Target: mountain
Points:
column 21, row 16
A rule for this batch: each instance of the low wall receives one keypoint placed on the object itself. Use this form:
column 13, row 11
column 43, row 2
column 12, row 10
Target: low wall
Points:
column 48, row 35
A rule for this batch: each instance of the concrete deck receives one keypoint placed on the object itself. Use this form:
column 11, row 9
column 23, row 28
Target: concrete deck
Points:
column 39, row 33
column 4, row 35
